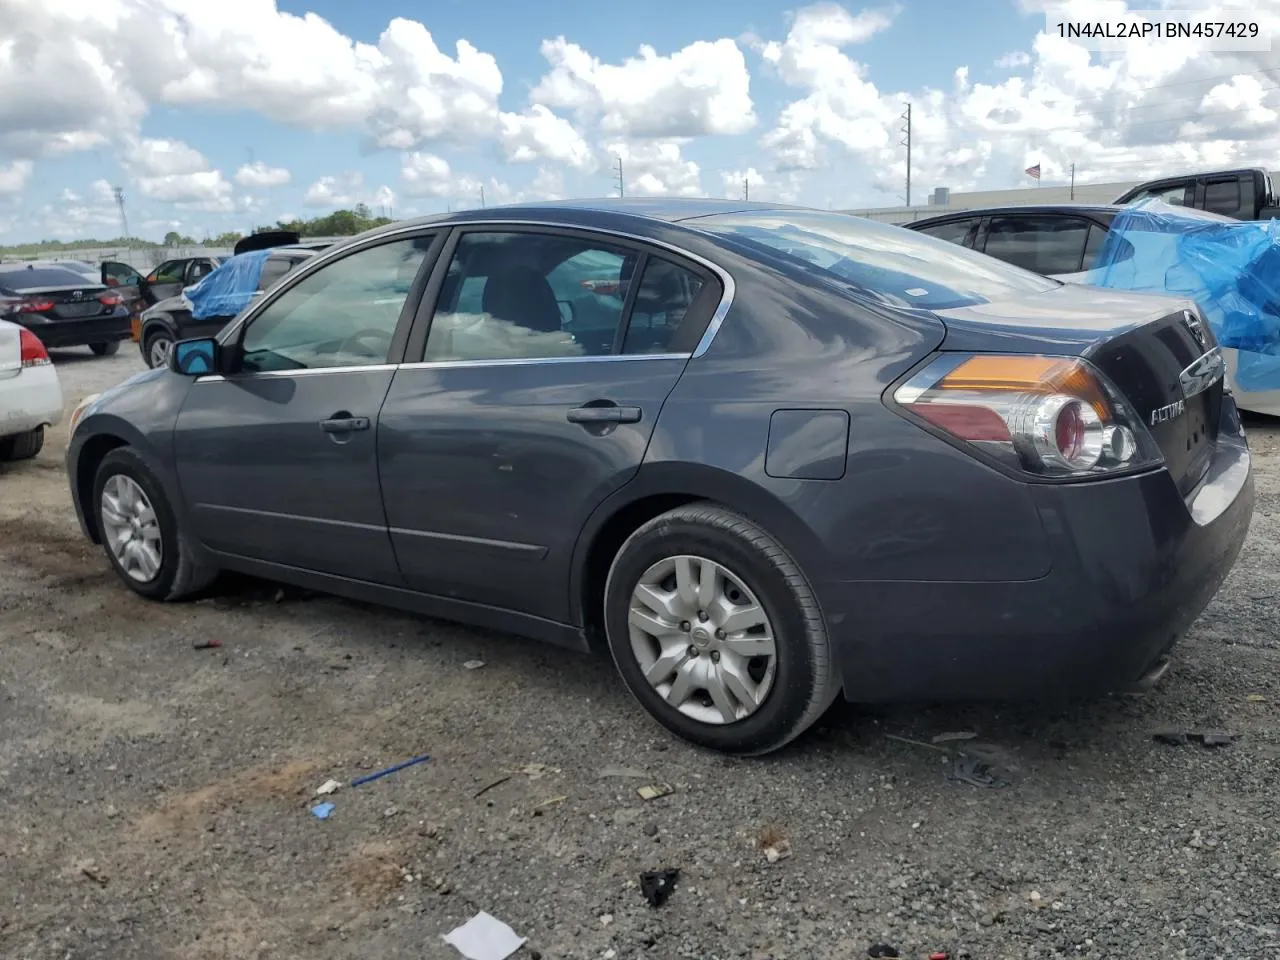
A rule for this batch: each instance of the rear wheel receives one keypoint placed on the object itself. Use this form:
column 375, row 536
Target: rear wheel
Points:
column 140, row 532
column 155, row 350
column 105, row 349
column 716, row 631
column 22, row 446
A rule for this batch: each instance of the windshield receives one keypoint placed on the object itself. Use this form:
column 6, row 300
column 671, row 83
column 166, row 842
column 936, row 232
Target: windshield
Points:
column 890, row 263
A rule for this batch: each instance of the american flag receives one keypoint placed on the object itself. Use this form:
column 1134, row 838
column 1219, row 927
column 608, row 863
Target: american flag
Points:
column 1033, row 172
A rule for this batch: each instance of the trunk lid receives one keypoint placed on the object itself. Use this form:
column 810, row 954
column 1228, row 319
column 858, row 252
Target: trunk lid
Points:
column 70, row 303
column 1155, row 349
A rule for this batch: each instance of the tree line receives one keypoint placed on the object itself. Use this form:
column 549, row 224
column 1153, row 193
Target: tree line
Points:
column 340, row 223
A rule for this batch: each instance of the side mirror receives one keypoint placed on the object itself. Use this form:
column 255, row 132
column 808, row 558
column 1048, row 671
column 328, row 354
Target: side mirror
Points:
column 194, row 358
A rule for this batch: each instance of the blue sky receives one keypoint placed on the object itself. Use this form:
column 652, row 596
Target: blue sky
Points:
column 917, row 49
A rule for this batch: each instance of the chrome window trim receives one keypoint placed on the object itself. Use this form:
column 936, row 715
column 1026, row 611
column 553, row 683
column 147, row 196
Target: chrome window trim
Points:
column 317, row 262
column 442, row 364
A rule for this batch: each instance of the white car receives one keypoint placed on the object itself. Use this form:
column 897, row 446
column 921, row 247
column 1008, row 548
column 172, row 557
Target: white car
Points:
column 30, row 395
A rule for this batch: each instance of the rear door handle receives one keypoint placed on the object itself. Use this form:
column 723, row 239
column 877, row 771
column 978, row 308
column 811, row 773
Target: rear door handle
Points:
column 602, row 414
column 344, row 424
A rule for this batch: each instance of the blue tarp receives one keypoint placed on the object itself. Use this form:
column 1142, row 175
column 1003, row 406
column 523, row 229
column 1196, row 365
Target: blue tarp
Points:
column 229, row 288
column 1231, row 268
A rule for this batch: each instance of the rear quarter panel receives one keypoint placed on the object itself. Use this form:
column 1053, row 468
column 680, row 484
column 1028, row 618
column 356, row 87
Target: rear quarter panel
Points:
column 907, row 505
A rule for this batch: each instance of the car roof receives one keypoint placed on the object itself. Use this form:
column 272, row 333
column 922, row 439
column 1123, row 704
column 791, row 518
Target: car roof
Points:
column 1097, row 208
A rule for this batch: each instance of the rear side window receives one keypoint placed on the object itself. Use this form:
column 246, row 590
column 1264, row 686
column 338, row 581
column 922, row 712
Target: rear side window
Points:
column 1046, row 245
column 33, row 278
column 954, row 231
column 666, row 293
column 272, row 270
column 1223, row 196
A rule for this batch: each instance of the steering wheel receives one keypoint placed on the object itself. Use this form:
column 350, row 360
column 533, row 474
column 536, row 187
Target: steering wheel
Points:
column 356, row 340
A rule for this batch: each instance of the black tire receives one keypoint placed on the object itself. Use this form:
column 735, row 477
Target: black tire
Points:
column 805, row 683
column 108, row 349
column 183, row 569
column 22, row 446
column 149, row 342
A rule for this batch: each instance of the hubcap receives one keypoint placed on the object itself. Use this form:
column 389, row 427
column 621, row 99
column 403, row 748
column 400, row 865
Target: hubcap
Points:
column 130, row 528
column 160, row 352
column 702, row 639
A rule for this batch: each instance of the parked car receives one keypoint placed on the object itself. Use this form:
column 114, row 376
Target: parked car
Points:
column 1062, row 241
column 1240, row 194
column 166, row 280
column 817, row 454
column 172, row 319
column 30, row 395
column 62, row 307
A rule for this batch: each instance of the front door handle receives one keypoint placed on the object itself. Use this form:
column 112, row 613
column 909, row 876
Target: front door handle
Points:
column 344, row 424
column 604, row 414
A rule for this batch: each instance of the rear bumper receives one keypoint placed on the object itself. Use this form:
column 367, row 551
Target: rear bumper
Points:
column 32, row 398
column 1134, row 564
column 78, row 333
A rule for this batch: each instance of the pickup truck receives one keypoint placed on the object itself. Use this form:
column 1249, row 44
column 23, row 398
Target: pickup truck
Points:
column 1242, row 194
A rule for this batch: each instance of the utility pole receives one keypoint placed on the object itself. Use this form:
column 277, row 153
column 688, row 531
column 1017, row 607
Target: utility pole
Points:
column 124, row 221
column 1073, row 181
column 622, row 189
column 906, row 142
column 482, row 195
column 746, row 189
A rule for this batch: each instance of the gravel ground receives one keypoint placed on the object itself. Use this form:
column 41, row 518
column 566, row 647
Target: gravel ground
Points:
column 156, row 796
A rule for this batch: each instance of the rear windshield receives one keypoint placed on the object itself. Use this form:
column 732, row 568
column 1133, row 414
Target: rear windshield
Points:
column 892, row 264
column 18, row 279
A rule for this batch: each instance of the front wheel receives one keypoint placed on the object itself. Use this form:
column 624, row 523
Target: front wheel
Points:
column 717, row 632
column 156, row 348
column 140, row 533
column 109, row 349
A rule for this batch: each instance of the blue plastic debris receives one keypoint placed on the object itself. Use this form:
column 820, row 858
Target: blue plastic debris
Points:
column 229, row 288
column 321, row 811
column 1230, row 268
column 390, row 770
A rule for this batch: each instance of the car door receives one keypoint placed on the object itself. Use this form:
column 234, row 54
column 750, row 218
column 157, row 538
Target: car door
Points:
column 276, row 455
column 124, row 280
column 525, row 410
column 1230, row 196
column 1045, row 243
column 165, row 281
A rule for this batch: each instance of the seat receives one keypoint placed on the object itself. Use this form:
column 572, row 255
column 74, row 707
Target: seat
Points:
column 521, row 296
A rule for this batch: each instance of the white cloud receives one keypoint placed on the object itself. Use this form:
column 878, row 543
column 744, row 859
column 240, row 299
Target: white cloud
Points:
column 15, row 177
column 260, row 175
column 174, row 172
column 539, row 134
column 656, row 169
column 346, row 191
column 701, row 89
column 77, row 75
column 426, row 175
column 1151, row 109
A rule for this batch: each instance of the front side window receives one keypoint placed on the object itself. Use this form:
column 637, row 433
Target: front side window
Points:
column 168, row 272
column 273, row 268
column 891, row 264
column 344, row 314
column 1178, row 195
column 524, row 296
column 1047, row 245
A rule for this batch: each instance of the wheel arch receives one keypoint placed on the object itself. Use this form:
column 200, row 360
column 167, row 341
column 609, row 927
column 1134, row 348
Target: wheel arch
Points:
column 158, row 321
column 87, row 456
column 656, row 489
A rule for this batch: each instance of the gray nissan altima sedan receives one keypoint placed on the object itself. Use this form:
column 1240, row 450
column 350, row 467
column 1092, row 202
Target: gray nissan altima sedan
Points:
column 765, row 455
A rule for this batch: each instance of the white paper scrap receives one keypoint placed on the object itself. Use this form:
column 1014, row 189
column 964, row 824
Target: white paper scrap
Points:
column 484, row 938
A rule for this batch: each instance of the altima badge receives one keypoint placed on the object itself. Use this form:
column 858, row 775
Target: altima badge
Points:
column 1168, row 412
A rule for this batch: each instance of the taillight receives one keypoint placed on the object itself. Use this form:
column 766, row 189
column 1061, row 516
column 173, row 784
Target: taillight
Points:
column 33, row 352
column 13, row 307
column 1052, row 417
column 110, row 299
